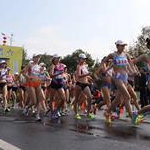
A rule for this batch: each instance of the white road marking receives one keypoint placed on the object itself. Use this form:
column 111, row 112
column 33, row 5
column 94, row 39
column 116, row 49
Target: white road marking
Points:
column 7, row 146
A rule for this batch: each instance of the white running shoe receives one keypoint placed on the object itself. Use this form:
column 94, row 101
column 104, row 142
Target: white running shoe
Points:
column 26, row 111
column 38, row 117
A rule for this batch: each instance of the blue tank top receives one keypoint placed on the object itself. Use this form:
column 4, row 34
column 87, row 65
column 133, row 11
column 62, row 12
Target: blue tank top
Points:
column 120, row 61
column 43, row 76
column 3, row 74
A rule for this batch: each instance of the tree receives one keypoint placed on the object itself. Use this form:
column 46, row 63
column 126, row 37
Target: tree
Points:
column 72, row 60
column 46, row 59
column 139, row 46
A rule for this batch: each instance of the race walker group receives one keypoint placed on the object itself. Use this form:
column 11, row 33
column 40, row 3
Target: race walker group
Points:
column 55, row 92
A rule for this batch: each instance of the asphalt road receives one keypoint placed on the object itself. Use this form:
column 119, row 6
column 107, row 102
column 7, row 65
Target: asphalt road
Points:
column 70, row 134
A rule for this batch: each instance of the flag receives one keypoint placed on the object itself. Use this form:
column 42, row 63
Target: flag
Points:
column 3, row 34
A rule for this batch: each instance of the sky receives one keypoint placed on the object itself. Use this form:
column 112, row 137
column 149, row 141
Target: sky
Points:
column 62, row 26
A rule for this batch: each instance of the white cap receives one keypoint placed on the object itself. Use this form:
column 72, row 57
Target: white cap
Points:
column 44, row 68
column 36, row 55
column 8, row 69
column 42, row 64
column 31, row 62
column 2, row 61
column 120, row 42
column 83, row 56
column 56, row 56
column 16, row 73
column 65, row 66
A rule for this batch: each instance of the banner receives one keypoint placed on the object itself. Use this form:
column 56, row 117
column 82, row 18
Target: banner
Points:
column 13, row 56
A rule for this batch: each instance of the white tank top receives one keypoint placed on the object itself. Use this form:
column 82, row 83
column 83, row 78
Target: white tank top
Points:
column 35, row 70
column 110, row 72
column 84, row 70
column 3, row 74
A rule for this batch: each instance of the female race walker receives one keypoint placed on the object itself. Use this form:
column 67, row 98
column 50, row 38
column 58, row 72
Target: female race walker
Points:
column 82, row 86
column 120, row 63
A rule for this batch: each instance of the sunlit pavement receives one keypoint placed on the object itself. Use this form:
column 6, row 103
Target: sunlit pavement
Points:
column 25, row 133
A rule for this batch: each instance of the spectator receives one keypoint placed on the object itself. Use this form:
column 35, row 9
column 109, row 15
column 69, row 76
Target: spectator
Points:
column 143, row 88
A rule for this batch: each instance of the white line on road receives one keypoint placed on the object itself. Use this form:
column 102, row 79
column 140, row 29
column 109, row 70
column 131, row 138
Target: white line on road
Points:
column 7, row 146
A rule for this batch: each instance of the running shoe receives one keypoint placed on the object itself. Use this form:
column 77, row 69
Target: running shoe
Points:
column 58, row 113
column 72, row 107
column 140, row 118
column 33, row 111
column 26, row 111
column 113, row 117
column 121, row 110
column 135, row 119
column 78, row 117
column 54, row 115
column 91, row 116
column 49, row 110
column 94, row 110
column 118, row 111
column 6, row 110
column 127, row 115
column 63, row 113
column 107, row 118
column 38, row 117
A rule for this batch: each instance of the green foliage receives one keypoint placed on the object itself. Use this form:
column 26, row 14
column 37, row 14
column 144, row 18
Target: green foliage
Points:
column 72, row 60
column 47, row 59
column 139, row 46
column 96, row 65
column 141, row 40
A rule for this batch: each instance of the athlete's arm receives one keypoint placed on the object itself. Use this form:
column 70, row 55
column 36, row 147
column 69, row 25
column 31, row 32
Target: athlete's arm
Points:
column 25, row 71
column 110, row 56
column 143, row 58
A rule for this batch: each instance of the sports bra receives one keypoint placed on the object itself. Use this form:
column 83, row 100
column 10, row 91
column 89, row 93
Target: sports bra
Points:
column 42, row 76
column 120, row 61
column 35, row 70
column 58, row 70
column 3, row 74
column 110, row 72
column 9, row 78
column 84, row 70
